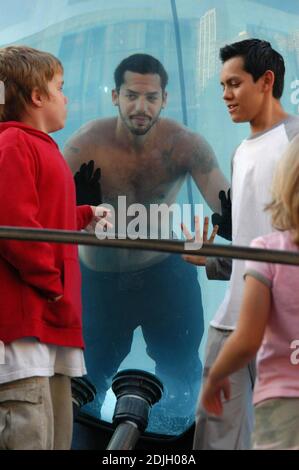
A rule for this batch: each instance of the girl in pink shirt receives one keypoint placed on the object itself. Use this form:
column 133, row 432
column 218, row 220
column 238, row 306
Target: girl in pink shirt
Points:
column 269, row 324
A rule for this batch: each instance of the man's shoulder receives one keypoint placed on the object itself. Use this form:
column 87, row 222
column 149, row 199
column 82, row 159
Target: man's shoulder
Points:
column 172, row 126
column 179, row 132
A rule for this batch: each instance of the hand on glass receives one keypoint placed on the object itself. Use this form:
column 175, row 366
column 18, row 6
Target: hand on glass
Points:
column 88, row 184
column 199, row 260
column 224, row 220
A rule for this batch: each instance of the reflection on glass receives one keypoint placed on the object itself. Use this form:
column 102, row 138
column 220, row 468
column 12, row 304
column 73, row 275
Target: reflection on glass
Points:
column 147, row 299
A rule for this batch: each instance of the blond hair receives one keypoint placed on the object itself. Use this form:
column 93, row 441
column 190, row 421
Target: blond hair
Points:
column 285, row 192
column 22, row 69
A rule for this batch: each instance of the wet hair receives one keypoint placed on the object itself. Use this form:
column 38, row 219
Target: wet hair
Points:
column 22, row 69
column 258, row 57
column 285, row 191
column 140, row 63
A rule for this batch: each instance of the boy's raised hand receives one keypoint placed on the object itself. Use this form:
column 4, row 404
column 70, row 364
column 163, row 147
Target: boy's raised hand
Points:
column 199, row 260
column 100, row 222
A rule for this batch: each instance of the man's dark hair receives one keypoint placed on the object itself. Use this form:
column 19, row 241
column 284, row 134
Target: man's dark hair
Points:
column 258, row 57
column 140, row 63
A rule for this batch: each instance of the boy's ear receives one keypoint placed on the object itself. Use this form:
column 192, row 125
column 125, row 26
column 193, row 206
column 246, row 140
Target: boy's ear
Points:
column 268, row 80
column 37, row 97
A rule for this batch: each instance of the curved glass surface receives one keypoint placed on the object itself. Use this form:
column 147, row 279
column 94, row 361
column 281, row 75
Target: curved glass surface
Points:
column 143, row 310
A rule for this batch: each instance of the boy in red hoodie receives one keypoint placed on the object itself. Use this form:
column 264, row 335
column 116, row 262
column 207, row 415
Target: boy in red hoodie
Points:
column 40, row 285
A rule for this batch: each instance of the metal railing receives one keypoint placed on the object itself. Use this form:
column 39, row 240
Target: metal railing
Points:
column 170, row 246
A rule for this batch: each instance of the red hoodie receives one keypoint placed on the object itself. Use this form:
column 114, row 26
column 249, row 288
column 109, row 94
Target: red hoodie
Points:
column 37, row 190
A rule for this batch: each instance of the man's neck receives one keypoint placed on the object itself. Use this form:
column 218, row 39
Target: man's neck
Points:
column 273, row 114
column 130, row 140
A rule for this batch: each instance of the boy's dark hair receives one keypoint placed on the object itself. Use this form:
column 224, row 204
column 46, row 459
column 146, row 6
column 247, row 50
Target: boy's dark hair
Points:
column 258, row 57
column 140, row 63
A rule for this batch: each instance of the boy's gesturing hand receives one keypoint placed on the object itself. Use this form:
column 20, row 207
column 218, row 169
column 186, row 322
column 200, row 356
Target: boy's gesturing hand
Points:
column 199, row 260
column 100, row 222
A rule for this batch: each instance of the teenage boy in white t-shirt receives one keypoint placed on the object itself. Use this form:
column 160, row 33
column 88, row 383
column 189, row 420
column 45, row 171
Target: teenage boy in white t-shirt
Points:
column 252, row 78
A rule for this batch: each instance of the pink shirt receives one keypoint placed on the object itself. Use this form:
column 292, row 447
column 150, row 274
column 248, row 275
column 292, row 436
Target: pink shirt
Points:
column 277, row 372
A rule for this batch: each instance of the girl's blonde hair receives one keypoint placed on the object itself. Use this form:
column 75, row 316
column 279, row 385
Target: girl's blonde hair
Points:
column 285, row 192
column 22, row 69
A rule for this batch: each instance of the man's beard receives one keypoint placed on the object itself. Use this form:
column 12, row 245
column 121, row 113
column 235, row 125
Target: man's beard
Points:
column 140, row 131
column 137, row 130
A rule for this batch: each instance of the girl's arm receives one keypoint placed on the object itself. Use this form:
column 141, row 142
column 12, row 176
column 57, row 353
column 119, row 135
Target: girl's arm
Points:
column 242, row 345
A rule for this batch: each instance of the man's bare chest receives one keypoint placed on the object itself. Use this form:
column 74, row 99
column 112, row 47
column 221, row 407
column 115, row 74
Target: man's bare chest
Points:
column 145, row 178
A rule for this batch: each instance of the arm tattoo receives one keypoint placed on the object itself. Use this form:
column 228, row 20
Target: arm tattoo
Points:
column 72, row 149
column 204, row 160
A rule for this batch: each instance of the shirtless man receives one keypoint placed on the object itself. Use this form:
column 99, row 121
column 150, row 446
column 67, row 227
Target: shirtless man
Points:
column 146, row 158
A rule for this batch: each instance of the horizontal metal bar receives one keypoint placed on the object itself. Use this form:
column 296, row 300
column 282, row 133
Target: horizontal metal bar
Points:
column 170, row 246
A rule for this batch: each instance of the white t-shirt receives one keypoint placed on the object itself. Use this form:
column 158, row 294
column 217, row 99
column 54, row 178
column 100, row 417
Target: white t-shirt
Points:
column 253, row 167
column 27, row 357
